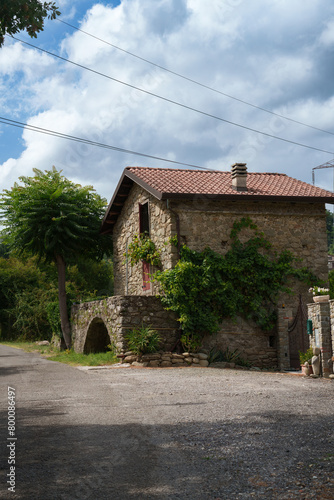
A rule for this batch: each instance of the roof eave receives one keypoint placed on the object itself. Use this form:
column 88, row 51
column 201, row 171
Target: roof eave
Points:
column 107, row 227
column 243, row 196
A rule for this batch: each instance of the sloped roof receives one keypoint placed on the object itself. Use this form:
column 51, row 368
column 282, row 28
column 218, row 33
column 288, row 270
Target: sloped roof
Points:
column 168, row 183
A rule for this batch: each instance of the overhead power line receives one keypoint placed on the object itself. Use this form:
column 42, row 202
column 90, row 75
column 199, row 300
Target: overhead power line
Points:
column 195, row 81
column 184, row 106
column 33, row 128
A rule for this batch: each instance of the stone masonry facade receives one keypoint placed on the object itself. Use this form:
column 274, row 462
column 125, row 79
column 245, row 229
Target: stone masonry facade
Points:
column 128, row 279
column 322, row 316
column 295, row 226
column 115, row 316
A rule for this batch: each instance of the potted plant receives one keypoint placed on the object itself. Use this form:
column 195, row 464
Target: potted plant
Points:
column 319, row 294
column 305, row 357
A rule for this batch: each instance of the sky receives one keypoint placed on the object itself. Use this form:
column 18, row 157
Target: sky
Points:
column 240, row 76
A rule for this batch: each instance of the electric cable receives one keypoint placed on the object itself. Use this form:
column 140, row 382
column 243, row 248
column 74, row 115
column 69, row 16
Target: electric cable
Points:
column 33, row 128
column 195, row 81
column 174, row 102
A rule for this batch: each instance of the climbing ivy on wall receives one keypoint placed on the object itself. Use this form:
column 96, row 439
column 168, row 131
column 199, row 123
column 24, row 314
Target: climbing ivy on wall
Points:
column 142, row 248
column 206, row 287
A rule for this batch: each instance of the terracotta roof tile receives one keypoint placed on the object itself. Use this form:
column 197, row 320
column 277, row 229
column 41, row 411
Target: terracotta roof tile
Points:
column 164, row 183
column 188, row 182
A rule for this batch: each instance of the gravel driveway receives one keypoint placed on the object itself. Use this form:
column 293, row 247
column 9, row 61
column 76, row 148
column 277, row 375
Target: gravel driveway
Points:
column 179, row 433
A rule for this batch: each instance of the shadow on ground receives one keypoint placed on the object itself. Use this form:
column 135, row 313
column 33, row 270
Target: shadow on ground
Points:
column 267, row 456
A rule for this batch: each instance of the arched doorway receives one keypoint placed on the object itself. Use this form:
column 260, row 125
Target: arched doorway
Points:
column 97, row 338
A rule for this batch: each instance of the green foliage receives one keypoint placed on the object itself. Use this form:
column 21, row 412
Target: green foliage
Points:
column 331, row 283
column 53, row 317
column 57, row 221
column 205, row 287
column 50, row 215
column 330, row 231
column 142, row 248
column 191, row 341
column 143, row 340
column 29, row 15
column 92, row 359
column 24, row 289
column 317, row 290
column 68, row 357
column 216, row 355
column 29, row 307
column 305, row 356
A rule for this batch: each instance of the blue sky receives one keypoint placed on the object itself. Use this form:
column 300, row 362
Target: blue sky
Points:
column 278, row 56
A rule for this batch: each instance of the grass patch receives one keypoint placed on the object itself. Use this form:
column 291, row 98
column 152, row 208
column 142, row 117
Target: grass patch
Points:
column 76, row 359
column 69, row 356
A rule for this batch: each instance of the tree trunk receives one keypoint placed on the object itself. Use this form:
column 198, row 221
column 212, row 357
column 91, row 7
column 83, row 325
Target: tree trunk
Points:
column 64, row 319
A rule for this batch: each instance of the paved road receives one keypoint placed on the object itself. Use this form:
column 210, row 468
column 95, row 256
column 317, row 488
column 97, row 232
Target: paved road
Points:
column 164, row 434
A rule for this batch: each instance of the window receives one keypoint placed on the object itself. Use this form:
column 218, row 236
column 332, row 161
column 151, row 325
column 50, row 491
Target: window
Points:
column 144, row 222
column 144, row 228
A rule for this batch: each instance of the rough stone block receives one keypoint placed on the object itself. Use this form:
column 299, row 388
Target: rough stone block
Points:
column 155, row 362
column 130, row 359
column 204, row 362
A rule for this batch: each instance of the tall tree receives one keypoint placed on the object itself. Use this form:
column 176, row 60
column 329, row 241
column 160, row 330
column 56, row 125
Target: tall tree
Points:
column 29, row 15
column 57, row 220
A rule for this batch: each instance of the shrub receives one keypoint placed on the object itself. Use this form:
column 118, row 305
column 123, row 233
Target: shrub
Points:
column 217, row 355
column 143, row 340
column 305, row 356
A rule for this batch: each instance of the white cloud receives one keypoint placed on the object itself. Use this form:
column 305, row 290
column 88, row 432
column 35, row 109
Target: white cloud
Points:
column 264, row 55
column 327, row 35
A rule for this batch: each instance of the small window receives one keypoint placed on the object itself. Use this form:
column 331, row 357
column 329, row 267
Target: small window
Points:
column 144, row 222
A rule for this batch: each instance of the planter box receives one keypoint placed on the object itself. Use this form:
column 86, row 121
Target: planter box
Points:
column 321, row 298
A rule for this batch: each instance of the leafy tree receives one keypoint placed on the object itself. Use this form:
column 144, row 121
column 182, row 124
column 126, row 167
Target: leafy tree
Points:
column 17, row 15
column 29, row 306
column 19, row 278
column 56, row 220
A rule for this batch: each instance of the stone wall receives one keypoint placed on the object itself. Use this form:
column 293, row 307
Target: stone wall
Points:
column 298, row 227
column 115, row 316
column 166, row 359
column 128, row 280
column 253, row 344
column 322, row 316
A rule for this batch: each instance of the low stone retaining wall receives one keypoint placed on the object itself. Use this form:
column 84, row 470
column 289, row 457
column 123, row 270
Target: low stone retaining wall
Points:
column 99, row 323
column 165, row 359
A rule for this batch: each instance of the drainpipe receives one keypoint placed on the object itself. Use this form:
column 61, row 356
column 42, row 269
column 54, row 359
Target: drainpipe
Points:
column 177, row 218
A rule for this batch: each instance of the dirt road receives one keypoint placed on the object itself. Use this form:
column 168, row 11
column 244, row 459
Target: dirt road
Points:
column 180, row 433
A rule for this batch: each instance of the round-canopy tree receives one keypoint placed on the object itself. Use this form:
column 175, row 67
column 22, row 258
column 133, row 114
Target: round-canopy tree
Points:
column 57, row 220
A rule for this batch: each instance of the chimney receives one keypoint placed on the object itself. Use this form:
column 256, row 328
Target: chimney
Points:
column 239, row 176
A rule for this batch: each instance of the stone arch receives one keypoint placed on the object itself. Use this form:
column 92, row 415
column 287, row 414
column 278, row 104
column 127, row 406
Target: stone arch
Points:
column 97, row 337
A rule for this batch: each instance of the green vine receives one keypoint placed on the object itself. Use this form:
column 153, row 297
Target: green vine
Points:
column 142, row 248
column 206, row 287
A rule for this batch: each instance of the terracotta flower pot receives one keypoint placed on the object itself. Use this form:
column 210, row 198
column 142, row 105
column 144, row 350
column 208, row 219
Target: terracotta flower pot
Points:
column 306, row 370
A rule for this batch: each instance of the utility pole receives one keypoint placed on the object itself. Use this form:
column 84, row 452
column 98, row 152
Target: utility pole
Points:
column 329, row 164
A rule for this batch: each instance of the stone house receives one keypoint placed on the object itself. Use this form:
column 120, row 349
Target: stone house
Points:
column 200, row 207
